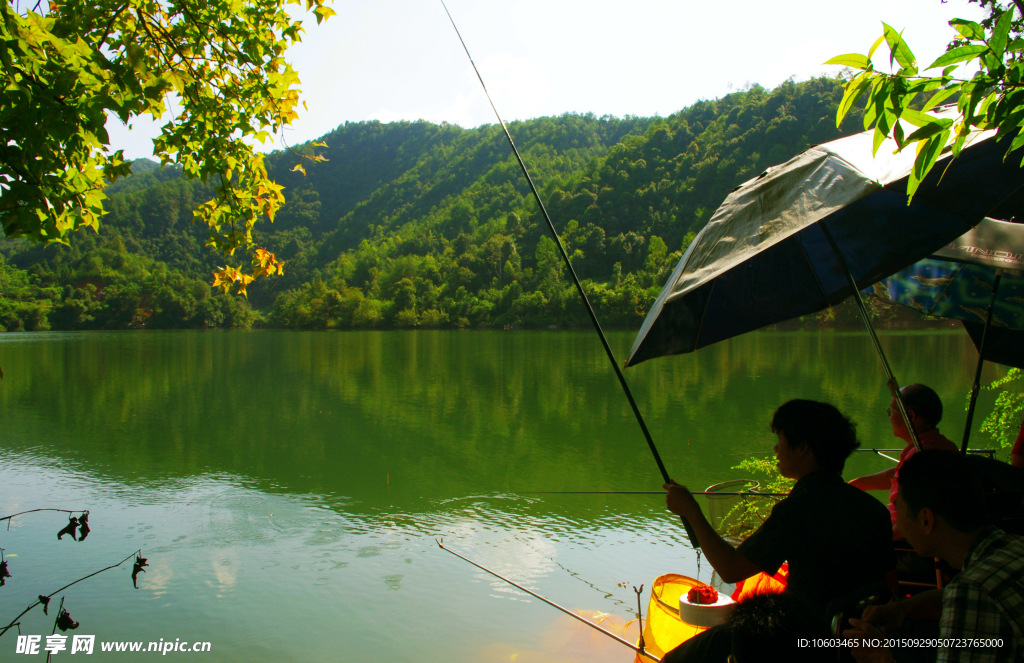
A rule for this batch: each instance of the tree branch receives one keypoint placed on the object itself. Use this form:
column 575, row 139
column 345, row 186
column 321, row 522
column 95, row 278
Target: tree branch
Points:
column 57, row 591
column 21, row 513
column 110, row 26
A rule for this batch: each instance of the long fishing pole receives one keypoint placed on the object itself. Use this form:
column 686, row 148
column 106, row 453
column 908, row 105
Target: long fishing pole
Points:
column 987, row 452
column 877, row 452
column 575, row 279
column 572, row 614
column 647, row 492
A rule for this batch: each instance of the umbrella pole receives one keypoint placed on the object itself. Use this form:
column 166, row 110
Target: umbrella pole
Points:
column 976, row 385
column 894, row 387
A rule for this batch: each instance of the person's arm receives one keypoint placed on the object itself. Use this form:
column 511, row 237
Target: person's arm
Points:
column 730, row 565
column 879, row 621
column 877, row 481
column 926, row 605
column 870, row 649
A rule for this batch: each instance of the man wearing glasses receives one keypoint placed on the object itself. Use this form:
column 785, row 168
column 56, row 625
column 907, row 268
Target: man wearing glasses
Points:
column 924, row 409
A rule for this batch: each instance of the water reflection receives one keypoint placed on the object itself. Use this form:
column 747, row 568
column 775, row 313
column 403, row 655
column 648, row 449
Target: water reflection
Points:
column 288, row 486
column 405, row 417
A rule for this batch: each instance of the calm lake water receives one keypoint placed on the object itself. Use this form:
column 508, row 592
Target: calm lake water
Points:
column 287, row 487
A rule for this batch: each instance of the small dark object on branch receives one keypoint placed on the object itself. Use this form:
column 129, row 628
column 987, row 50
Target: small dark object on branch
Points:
column 64, row 621
column 70, row 529
column 4, row 573
column 139, row 563
column 45, row 600
column 83, row 525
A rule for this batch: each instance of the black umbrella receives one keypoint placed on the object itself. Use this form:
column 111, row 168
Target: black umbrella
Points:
column 977, row 279
column 806, row 235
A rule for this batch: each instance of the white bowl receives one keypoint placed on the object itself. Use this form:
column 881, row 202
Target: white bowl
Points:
column 706, row 614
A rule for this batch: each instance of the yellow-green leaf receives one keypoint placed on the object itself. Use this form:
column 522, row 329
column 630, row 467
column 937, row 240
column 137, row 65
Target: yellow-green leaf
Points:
column 874, row 47
column 854, row 89
column 956, row 55
column 898, row 48
column 850, row 60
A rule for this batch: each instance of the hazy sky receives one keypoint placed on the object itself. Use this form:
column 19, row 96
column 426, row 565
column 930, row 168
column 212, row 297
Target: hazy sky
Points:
column 400, row 59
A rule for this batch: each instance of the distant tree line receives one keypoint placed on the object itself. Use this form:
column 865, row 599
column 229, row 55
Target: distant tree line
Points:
column 111, row 288
column 412, row 224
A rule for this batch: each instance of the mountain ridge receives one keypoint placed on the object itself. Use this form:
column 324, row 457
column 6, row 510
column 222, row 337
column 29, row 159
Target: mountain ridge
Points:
column 418, row 224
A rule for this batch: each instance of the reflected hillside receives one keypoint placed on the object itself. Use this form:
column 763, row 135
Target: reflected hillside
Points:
column 406, row 420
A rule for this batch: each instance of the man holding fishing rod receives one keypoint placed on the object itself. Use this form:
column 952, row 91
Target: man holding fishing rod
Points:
column 836, row 538
column 924, row 408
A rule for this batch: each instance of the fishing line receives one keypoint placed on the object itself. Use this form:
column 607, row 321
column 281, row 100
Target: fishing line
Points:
column 576, row 576
column 572, row 614
column 576, row 281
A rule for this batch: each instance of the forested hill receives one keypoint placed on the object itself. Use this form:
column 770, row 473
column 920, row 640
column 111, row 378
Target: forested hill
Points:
column 417, row 224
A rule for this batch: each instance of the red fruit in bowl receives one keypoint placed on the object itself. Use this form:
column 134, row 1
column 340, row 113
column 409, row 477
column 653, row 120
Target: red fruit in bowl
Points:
column 702, row 595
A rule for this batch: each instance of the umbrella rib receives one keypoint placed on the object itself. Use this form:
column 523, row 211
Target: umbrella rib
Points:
column 814, row 273
column 943, row 293
column 700, row 328
column 992, row 209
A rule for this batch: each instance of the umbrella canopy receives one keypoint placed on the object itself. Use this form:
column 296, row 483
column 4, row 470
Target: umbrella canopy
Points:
column 975, row 279
column 956, row 282
column 1002, row 345
column 766, row 254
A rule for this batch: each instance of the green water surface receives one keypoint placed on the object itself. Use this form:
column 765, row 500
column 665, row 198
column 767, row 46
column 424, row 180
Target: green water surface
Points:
column 288, row 487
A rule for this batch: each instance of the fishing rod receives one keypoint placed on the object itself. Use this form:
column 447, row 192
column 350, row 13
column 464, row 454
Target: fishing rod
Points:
column 986, row 452
column 648, row 492
column 575, row 279
column 637, row 649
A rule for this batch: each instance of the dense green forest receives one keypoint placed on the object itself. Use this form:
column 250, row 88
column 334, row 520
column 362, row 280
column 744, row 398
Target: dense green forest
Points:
column 415, row 224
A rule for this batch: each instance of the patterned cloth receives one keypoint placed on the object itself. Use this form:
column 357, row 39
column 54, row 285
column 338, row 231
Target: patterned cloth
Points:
column 932, row 439
column 986, row 600
column 956, row 290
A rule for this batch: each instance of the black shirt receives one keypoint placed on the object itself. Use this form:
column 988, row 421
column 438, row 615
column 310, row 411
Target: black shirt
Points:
column 836, row 538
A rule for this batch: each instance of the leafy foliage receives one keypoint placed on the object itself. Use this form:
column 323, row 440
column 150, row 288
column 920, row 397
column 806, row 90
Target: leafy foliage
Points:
column 218, row 66
column 412, row 224
column 748, row 514
column 993, row 98
column 112, row 288
column 1003, row 422
column 456, row 240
